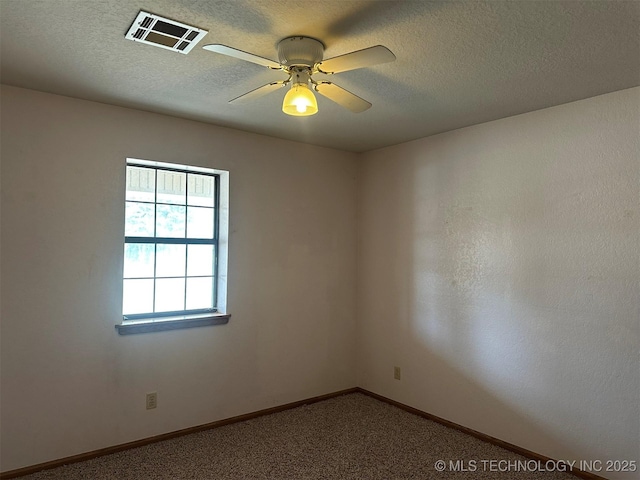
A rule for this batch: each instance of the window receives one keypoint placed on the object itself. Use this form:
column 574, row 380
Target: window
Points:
column 171, row 247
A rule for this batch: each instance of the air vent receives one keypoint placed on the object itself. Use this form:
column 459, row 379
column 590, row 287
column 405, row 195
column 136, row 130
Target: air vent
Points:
column 146, row 23
column 164, row 33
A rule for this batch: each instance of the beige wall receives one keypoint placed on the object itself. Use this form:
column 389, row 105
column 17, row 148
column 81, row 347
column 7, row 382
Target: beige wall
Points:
column 498, row 267
column 70, row 384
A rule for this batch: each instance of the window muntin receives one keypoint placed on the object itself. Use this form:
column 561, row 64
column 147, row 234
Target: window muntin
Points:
column 171, row 242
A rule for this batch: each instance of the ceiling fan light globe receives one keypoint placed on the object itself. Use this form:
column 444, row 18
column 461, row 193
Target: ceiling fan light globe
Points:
column 300, row 101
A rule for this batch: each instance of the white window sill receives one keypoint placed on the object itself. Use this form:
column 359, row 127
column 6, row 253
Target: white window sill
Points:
column 160, row 324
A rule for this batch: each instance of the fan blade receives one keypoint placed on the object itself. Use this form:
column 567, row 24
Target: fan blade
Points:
column 258, row 92
column 342, row 97
column 358, row 59
column 248, row 57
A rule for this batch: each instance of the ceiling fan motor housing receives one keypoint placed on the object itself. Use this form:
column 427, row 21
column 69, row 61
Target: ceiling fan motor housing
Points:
column 300, row 51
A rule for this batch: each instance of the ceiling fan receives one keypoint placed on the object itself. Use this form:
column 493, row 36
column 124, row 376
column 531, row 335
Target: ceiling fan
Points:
column 301, row 58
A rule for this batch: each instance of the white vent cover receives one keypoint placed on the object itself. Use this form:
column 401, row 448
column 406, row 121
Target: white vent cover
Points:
column 164, row 33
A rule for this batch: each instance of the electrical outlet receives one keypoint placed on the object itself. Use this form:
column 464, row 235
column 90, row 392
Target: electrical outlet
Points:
column 397, row 373
column 152, row 400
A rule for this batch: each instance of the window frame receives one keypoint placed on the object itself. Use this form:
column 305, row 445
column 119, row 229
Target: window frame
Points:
column 170, row 320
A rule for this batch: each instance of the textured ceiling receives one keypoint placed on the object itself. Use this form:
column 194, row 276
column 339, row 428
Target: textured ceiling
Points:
column 458, row 63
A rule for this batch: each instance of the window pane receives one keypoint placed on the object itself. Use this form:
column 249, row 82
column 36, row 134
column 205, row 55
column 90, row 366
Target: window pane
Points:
column 141, row 184
column 200, row 222
column 200, row 260
column 169, row 294
column 170, row 260
column 166, row 206
column 138, row 220
column 138, row 260
column 137, row 296
column 201, row 190
column 172, row 187
column 170, row 221
column 199, row 293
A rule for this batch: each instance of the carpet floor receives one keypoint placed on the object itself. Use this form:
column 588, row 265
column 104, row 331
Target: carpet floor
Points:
column 349, row 437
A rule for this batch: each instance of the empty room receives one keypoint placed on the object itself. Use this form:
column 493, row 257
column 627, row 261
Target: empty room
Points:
column 277, row 239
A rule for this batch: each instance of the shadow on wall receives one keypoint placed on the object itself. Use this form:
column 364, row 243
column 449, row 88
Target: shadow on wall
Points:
column 483, row 325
